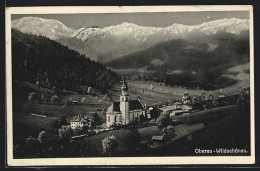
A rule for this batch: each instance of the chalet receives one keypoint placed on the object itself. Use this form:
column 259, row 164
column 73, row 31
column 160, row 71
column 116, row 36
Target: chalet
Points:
column 124, row 111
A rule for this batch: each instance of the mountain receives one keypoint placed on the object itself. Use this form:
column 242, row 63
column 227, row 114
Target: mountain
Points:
column 54, row 66
column 49, row 28
column 109, row 43
column 198, row 62
column 224, row 48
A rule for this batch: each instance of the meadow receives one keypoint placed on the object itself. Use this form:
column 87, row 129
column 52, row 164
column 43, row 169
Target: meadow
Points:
column 230, row 131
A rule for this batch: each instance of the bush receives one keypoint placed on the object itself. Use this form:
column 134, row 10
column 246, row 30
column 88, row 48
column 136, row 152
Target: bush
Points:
column 164, row 121
column 169, row 132
column 154, row 113
column 109, row 145
column 78, row 131
column 65, row 132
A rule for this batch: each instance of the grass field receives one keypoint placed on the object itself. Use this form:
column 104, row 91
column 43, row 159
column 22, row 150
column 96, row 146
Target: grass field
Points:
column 25, row 126
column 207, row 116
column 59, row 110
column 163, row 92
column 231, row 131
column 147, row 96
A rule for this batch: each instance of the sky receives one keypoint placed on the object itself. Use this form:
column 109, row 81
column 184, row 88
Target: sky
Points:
column 161, row 19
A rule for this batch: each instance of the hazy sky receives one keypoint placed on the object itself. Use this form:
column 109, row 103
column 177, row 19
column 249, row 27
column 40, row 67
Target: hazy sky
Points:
column 161, row 19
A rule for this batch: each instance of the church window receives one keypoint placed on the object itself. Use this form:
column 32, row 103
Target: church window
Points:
column 122, row 99
column 108, row 118
column 115, row 118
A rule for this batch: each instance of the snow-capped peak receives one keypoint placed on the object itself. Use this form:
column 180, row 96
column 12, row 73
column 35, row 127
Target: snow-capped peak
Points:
column 54, row 29
column 50, row 28
column 231, row 25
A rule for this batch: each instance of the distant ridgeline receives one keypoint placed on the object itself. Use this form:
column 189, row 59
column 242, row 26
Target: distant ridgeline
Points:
column 198, row 62
column 37, row 58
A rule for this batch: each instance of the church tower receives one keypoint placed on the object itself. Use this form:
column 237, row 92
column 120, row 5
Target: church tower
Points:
column 124, row 103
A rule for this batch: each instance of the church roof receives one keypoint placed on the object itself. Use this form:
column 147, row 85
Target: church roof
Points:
column 116, row 106
column 133, row 105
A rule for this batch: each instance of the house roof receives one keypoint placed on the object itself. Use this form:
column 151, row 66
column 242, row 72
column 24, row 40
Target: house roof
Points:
column 168, row 108
column 185, row 107
column 116, row 106
column 78, row 119
column 133, row 105
column 158, row 137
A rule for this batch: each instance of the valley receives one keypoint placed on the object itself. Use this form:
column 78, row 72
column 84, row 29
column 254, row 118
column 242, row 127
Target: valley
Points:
column 68, row 83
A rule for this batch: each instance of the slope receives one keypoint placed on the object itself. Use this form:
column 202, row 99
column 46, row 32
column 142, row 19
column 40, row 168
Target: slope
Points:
column 203, row 58
column 54, row 66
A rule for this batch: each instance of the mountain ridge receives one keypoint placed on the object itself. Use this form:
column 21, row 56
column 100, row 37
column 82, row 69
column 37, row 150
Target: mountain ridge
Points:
column 112, row 42
column 190, row 63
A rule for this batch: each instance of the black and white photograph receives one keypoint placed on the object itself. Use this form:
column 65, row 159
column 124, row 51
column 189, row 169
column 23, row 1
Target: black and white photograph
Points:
column 130, row 85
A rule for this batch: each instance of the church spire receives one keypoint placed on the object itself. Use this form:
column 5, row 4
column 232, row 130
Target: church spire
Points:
column 124, row 87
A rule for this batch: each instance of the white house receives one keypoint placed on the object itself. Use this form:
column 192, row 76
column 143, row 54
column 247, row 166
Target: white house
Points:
column 79, row 122
column 175, row 110
column 168, row 109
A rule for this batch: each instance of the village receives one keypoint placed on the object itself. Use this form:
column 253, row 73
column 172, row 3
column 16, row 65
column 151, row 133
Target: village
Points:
column 153, row 126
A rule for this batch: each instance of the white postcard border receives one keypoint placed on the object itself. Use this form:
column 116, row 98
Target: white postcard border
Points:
column 123, row 160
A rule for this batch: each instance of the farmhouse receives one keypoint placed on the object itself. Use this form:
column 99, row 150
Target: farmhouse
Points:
column 175, row 110
column 168, row 109
column 79, row 122
column 124, row 111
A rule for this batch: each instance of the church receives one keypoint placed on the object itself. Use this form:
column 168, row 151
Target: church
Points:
column 124, row 111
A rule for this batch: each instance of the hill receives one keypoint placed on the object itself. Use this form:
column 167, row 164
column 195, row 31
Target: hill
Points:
column 200, row 62
column 54, row 66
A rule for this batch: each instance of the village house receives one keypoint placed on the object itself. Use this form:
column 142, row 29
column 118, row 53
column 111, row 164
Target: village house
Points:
column 175, row 110
column 79, row 122
column 124, row 111
column 183, row 110
column 168, row 109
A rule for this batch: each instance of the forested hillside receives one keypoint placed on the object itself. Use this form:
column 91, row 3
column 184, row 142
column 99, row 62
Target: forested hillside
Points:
column 39, row 59
column 200, row 62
